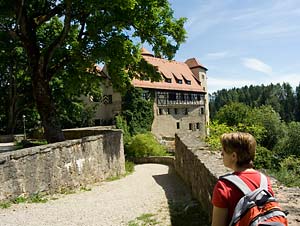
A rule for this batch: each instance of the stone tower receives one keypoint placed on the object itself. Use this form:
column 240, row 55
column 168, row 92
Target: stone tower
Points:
column 199, row 72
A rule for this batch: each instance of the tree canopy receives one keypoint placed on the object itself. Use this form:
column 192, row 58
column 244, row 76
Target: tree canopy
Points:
column 63, row 40
column 281, row 97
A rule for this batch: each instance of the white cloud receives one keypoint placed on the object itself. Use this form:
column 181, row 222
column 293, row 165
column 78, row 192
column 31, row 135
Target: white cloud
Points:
column 216, row 55
column 257, row 65
column 293, row 79
column 215, row 84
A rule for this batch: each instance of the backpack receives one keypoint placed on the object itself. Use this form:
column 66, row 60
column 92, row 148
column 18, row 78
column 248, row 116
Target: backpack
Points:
column 256, row 207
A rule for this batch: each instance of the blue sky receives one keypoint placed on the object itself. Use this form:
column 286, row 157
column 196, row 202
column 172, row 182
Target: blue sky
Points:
column 242, row 42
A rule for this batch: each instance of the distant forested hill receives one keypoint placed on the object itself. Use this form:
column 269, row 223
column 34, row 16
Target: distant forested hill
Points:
column 282, row 98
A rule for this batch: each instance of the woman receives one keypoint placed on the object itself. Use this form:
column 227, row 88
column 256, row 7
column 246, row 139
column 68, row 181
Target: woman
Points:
column 238, row 151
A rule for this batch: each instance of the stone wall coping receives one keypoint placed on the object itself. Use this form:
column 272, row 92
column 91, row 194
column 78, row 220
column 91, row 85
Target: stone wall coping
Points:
column 165, row 160
column 17, row 154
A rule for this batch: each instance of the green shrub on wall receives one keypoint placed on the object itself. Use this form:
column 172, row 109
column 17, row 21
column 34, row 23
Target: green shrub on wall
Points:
column 122, row 124
column 137, row 111
column 144, row 145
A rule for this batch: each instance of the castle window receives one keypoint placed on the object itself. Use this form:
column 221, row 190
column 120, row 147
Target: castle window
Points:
column 177, row 125
column 201, row 111
column 175, row 111
column 198, row 125
column 168, row 111
column 160, row 112
column 190, row 126
column 146, row 95
column 186, row 111
column 172, row 96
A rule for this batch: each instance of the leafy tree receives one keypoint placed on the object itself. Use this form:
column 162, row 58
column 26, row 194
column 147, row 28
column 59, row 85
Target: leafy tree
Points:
column 287, row 103
column 270, row 120
column 15, row 86
column 65, row 38
column 233, row 114
column 290, row 143
column 281, row 98
column 297, row 103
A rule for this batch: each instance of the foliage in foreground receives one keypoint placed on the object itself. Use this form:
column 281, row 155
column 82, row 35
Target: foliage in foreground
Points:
column 144, row 145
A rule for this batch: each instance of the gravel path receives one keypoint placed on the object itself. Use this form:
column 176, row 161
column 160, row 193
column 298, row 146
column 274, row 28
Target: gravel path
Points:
column 113, row 203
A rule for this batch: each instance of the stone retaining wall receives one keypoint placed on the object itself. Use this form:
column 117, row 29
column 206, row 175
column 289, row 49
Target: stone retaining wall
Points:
column 198, row 167
column 68, row 164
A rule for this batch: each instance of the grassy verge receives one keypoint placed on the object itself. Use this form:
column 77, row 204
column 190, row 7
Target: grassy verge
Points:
column 35, row 198
column 146, row 219
column 129, row 169
column 40, row 197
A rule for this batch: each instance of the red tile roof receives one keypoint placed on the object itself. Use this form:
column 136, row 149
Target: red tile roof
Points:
column 194, row 63
column 170, row 70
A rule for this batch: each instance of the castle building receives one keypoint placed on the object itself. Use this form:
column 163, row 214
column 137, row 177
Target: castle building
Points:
column 181, row 98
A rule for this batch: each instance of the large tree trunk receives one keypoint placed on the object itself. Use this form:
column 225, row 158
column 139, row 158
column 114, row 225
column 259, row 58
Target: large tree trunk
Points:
column 39, row 58
column 46, row 108
column 11, row 122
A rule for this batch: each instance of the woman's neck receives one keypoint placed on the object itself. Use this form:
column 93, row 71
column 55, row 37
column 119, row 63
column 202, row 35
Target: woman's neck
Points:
column 242, row 169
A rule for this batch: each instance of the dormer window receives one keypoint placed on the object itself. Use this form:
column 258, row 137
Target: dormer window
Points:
column 179, row 81
column 168, row 80
column 188, row 82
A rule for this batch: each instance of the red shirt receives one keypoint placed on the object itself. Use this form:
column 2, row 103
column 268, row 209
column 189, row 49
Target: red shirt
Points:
column 227, row 195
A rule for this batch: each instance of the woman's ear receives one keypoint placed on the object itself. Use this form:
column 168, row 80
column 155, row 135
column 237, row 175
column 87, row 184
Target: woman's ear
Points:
column 234, row 156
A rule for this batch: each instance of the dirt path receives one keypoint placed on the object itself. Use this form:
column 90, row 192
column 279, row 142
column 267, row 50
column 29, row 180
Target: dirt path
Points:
column 146, row 194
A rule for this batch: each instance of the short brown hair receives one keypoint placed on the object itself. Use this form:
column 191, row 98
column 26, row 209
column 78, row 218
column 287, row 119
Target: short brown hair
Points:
column 243, row 144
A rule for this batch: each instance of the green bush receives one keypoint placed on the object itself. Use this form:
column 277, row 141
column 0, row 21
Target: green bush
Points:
column 143, row 145
column 289, row 172
column 265, row 159
column 122, row 124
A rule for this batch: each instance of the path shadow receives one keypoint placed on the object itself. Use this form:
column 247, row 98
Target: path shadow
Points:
column 184, row 210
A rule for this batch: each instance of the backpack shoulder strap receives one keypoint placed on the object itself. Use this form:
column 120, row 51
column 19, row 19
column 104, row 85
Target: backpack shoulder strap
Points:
column 263, row 182
column 237, row 181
